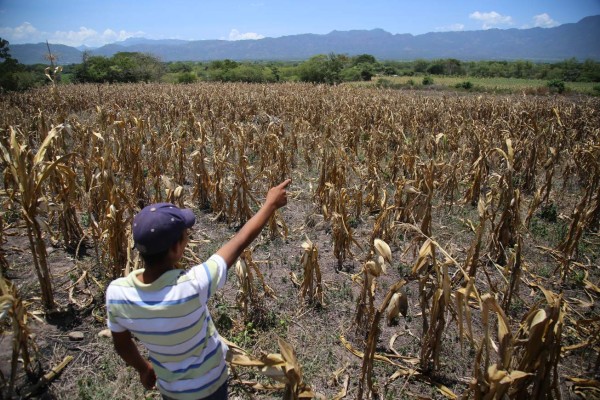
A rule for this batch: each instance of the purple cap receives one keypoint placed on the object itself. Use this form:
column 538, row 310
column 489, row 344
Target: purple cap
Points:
column 158, row 226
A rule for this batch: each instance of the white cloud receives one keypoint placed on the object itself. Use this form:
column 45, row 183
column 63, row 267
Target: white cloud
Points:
column 544, row 21
column 491, row 19
column 21, row 34
column 27, row 33
column 450, row 28
column 237, row 35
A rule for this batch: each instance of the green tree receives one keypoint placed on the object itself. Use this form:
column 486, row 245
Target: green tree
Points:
column 93, row 69
column 4, row 50
column 590, row 71
column 13, row 75
column 323, row 69
column 436, row 68
column 364, row 59
column 122, row 67
column 187, row 77
column 420, row 65
column 453, row 66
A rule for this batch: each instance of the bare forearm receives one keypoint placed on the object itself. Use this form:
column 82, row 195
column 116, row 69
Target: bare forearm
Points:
column 276, row 198
column 129, row 352
column 250, row 231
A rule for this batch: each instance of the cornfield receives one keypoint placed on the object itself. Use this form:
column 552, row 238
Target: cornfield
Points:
column 468, row 223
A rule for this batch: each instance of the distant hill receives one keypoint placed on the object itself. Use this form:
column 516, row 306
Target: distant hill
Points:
column 579, row 40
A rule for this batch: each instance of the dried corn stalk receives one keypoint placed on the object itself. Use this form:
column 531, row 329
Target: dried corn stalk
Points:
column 13, row 310
column 365, row 308
column 27, row 174
column 311, row 288
column 282, row 367
column 249, row 300
column 371, row 345
column 527, row 363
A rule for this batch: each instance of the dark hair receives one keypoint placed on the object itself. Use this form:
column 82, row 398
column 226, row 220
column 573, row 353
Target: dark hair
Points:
column 150, row 260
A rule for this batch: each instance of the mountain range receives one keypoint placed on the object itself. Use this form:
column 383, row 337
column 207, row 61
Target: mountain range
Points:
column 579, row 40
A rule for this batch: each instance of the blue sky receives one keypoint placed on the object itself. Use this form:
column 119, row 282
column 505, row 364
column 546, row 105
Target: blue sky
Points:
column 94, row 23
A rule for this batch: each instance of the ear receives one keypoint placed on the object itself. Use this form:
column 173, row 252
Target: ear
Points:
column 179, row 245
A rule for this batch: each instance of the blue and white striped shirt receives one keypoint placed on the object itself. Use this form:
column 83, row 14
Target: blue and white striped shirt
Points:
column 170, row 317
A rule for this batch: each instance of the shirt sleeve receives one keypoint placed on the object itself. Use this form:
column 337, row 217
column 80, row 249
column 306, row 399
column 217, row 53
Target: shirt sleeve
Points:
column 210, row 276
column 222, row 270
column 111, row 320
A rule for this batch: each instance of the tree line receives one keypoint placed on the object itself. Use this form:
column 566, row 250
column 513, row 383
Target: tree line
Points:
column 323, row 68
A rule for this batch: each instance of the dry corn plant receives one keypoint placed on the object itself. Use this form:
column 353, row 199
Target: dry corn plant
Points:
column 342, row 238
column 115, row 226
column 568, row 246
column 3, row 261
column 282, row 367
column 464, row 298
column 538, row 347
column 110, row 205
column 202, row 186
column 218, row 195
column 178, row 143
column 173, row 192
column 156, row 167
column 449, row 185
column 504, row 233
column 249, row 300
column 365, row 307
column 331, row 179
column 241, row 193
column 337, row 211
column 434, row 314
column 479, row 173
column 416, row 206
column 374, row 192
column 64, row 187
column 384, row 226
column 492, row 381
column 527, row 362
column 60, row 200
column 27, row 174
column 434, row 298
column 372, row 339
column 427, row 188
column 311, row 288
column 473, row 255
column 512, row 273
column 13, row 310
column 136, row 163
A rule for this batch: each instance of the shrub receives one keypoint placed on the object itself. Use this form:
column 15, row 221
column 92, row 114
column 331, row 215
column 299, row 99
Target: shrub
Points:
column 556, row 86
column 427, row 80
column 382, row 82
column 467, row 85
column 549, row 212
column 187, row 77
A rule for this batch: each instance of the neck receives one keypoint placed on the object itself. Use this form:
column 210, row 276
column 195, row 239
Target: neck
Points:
column 151, row 274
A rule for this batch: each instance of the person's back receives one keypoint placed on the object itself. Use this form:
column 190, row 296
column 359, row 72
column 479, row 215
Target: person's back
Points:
column 170, row 317
column 166, row 308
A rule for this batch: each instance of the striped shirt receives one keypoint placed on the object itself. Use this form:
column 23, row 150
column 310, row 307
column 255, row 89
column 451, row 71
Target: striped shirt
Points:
column 170, row 317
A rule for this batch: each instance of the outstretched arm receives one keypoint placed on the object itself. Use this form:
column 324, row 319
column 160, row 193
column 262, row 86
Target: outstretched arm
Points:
column 276, row 198
column 129, row 352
